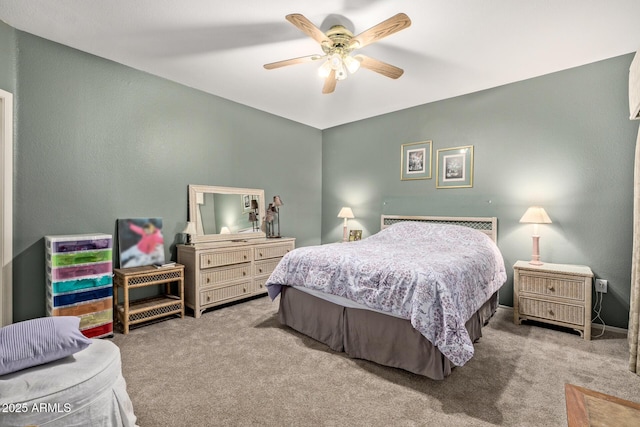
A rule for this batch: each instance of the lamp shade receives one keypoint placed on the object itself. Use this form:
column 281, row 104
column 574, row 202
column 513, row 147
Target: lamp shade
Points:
column 346, row 213
column 254, row 204
column 351, row 63
column 535, row 215
column 190, row 228
column 277, row 201
column 225, row 230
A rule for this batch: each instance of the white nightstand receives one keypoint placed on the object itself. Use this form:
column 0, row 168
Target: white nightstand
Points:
column 558, row 294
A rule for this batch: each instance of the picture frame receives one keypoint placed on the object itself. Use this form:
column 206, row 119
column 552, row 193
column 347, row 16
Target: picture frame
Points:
column 355, row 235
column 415, row 160
column 245, row 200
column 140, row 242
column 454, row 167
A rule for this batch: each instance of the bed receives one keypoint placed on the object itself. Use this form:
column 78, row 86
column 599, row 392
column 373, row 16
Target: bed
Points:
column 413, row 296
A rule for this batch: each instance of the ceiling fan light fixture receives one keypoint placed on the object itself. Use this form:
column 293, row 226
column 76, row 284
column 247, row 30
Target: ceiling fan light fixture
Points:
column 325, row 69
column 351, row 63
column 338, row 43
column 336, row 61
column 341, row 73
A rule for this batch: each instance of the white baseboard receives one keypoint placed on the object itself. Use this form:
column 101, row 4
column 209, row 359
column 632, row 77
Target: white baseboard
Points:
column 609, row 328
column 597, row 326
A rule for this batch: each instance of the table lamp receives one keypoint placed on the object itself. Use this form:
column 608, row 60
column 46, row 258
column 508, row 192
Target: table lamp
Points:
column 535, row 215
column 268, row 219
column 277, row 202
column 345, row 213
column 189, row 230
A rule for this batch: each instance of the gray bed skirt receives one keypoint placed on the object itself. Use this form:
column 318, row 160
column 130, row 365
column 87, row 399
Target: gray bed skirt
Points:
column 369, row 335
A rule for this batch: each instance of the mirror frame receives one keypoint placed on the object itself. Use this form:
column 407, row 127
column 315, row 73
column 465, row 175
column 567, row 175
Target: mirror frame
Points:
column 193, row 212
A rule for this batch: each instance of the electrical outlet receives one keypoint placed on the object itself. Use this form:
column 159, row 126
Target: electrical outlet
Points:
column 601, row 286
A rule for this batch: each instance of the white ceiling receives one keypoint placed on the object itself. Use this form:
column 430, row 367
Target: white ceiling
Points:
column 453, row 47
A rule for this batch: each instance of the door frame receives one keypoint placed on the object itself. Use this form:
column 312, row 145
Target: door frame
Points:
column 6, row 213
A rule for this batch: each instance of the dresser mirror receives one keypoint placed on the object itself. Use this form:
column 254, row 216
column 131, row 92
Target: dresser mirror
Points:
column 226, row 213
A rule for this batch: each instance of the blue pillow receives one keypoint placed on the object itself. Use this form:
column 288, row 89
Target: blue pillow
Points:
column 37, row 341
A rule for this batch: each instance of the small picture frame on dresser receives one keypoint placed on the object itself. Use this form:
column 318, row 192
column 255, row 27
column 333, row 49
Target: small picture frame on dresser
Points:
column 355, row 235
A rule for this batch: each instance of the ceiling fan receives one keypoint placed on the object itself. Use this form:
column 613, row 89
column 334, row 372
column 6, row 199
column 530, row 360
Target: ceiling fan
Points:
column 338, row 43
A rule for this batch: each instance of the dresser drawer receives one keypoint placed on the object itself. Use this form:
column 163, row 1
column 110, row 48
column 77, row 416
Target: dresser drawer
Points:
column 259, row 285
column 272, row 251
column 568, row 287
column 221, row 275
column 559, row 312
column 265, row 267
column 216, row 259
column 226, row 293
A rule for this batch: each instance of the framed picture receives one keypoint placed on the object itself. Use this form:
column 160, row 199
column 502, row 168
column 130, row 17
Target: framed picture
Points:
column 246, row 202
column 415, row 161
column 355, row 235
column 454, row 167
column 140, row 242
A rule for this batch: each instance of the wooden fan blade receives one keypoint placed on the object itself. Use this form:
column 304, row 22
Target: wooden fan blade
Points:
column 377, row 32
column 307, row 27
column 292, row 61
column 330, row 82
column 380, row 67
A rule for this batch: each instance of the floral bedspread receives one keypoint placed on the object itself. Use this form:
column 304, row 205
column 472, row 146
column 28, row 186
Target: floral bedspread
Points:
column 435, row 275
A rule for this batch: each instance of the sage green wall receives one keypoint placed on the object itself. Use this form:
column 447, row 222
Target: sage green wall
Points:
column 563, row 141
column 7, row 58
column 98, row 141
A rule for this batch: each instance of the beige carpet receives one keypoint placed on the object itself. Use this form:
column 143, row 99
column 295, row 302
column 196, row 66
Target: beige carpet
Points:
column 238, row 366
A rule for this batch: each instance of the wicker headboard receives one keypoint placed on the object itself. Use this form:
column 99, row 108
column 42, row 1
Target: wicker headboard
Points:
column 488, row 225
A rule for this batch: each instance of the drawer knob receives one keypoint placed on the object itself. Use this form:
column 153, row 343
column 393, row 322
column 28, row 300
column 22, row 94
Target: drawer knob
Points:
column 551, row 313
column 245, row 257
column 208, row 298
column 259, row 253
column 244, row 273
column 208, row 279
column 260, row 270
column 260, row 285
column 244, row 290
column 208, row 261
column 551, row 288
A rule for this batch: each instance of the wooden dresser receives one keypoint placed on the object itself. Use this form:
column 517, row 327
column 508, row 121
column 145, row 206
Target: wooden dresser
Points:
column 220, row 272
column 558, row 294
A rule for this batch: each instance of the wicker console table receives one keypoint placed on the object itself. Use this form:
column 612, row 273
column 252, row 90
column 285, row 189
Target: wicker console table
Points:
column 137, row 311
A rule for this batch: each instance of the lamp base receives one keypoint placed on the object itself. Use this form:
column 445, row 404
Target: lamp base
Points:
column 535, row 257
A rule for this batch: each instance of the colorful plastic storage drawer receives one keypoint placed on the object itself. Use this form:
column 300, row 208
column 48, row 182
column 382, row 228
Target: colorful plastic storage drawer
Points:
column 79, row 280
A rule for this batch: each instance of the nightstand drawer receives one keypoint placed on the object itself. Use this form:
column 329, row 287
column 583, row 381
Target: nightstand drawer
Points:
column 216, row 259
column 556, row 285
column 565, row 313
column 225, row 274
column 227, row 292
